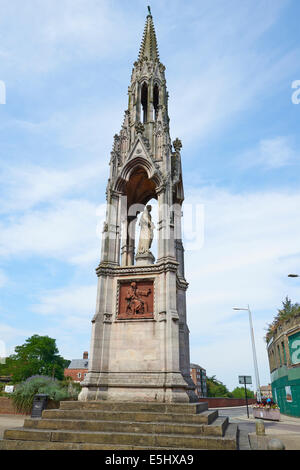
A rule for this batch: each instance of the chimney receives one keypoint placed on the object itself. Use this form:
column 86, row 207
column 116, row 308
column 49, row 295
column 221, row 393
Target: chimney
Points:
column 85, row 355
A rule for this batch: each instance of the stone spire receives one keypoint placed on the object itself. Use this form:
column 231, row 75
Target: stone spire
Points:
column 149, row 48
column 140, row 340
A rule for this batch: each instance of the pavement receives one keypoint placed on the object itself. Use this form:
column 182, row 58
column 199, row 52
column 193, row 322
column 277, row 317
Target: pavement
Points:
column 11, row 421
column 287, row 430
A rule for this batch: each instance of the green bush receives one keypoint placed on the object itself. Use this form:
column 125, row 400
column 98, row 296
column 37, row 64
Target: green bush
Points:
column 24, row 393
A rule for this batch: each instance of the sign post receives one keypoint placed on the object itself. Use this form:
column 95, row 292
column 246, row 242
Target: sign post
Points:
column 243, row 380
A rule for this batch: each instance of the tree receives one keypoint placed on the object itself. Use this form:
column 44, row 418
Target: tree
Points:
column 215, row 388
column 239, row 392
column 288, row 310
column 37, row 356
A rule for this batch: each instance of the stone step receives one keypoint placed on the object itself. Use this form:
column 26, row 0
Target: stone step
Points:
column 205, row 417
column 217, row 428
column 175, row 408
column 35, row 445
column 133, row 440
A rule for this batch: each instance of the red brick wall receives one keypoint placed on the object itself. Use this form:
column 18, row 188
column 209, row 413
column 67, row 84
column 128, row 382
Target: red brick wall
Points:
column 6, row 407
column 226, row 402
column 73, row 373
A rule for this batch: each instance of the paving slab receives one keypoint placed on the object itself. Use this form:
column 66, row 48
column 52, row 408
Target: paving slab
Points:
column 290, row 440
column 11, row 421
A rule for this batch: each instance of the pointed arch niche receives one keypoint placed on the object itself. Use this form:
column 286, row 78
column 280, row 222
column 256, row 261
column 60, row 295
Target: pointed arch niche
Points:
column 139, row 190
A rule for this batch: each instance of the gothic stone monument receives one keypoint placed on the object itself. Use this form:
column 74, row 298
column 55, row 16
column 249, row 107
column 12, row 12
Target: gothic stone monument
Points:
column 140, row 338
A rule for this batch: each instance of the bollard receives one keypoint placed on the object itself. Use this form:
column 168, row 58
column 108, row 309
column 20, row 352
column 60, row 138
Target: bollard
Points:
column 276, row 444
column 260, row 428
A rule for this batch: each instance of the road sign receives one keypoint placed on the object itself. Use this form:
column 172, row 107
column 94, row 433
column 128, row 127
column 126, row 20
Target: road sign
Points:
column 245, row 379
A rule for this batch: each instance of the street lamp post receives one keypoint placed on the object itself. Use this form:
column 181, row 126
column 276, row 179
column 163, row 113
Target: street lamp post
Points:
column 258, row 393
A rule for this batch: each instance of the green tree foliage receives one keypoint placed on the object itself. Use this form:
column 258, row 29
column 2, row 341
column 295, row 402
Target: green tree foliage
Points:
column 288, row 310
column 215, row 388
column 37, row 356
column 239, row 392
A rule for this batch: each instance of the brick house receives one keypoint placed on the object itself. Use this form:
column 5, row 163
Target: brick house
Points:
column 266, row 391
column 78, row 368
column 198, row 375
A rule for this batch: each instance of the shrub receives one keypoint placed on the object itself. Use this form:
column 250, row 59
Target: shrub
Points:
column 24, row 393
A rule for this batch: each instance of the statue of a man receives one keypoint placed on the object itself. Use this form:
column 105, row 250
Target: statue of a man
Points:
column 146, row 235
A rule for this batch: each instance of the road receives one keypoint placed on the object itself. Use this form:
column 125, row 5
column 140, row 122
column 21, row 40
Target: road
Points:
column 287, row 430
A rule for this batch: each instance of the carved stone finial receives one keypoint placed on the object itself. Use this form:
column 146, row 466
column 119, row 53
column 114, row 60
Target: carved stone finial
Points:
column 177, row 144
column 139, row 128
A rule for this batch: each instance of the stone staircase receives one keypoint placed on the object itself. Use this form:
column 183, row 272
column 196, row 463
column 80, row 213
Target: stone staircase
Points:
column 124, row 426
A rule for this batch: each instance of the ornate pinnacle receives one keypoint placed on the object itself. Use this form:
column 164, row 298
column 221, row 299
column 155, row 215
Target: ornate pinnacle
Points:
column 177, row 144
column 149, row 47
column 139, row 128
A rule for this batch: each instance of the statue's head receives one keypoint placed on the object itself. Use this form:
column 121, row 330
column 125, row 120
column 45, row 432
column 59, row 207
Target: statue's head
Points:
column 133, row 284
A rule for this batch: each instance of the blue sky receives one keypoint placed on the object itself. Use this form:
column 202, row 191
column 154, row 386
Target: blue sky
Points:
column 230, row 66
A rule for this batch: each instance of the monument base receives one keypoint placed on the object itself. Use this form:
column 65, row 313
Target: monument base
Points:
column 126, row 387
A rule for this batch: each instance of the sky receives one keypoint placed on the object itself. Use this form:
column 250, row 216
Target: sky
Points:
column 230, row 67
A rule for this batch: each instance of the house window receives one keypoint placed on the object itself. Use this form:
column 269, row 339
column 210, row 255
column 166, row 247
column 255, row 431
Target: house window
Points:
column 79, row 375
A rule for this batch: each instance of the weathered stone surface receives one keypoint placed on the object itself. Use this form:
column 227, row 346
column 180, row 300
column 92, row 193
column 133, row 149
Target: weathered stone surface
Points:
column 205, row 417
column 88, row 425
column 215, row 429
column 275, row 444
column 140, row 338
column 260, row 428
column 175, row 408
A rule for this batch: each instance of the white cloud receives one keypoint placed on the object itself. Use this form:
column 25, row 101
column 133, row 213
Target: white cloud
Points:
column 69, row 313
column 224, row 70
column 70, row 302
column 270, row 154
column 251, row 245
column 55, row 33
column 64, row 232
column 26, row 187
column 11, row 336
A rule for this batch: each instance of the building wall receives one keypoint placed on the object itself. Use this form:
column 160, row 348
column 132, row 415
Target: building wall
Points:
column 77, row 375
column 198, row 375
column 7, row 407
column 284, row 361
column 266, row 391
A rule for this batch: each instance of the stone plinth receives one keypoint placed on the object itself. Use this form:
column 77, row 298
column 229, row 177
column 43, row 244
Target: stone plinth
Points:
column 124, row 426
column 140, row 352
column 144, row 259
